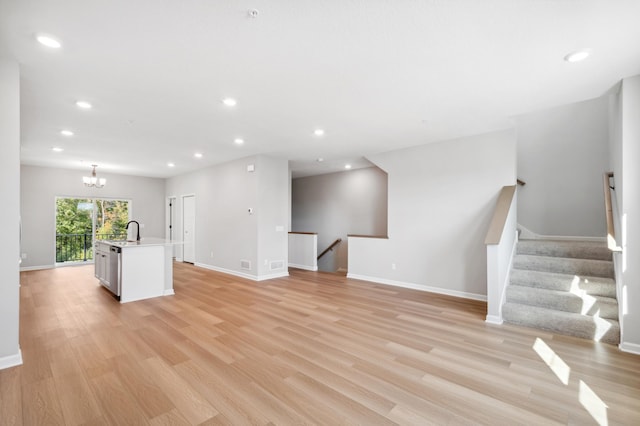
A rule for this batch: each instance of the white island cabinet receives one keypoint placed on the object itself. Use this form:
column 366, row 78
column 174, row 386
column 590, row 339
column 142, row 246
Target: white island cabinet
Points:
column 135, row 270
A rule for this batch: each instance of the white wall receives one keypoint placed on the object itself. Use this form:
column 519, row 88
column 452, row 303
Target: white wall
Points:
column 10, row 211
column 41, row 185
column 336, row 204
column 273, row 215
column 625, row 151
column 225, row 231
column 562, row 154
column 441, row 200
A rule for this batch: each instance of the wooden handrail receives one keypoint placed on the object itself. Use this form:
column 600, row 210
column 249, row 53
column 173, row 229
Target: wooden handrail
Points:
column 608, row 209
column 494, row 234
column 333, row 244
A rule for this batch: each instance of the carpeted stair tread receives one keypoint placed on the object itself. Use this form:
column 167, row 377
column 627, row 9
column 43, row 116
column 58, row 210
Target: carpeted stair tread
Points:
column 563, row 265
column 594, row 286
column 574, row 249
column 566, row 287
column 572, row 324
column 604, row 307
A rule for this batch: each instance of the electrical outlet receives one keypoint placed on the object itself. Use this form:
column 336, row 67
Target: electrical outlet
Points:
column 212, row 255
column 393, row 266
column 142, row 226
column 266, row 262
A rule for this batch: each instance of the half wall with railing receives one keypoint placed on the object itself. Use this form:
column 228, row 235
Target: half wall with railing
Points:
column 501, row 241
column 303, row 250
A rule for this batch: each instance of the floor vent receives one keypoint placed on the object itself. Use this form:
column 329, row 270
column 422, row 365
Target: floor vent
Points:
column 276, row 264
column 245, row 264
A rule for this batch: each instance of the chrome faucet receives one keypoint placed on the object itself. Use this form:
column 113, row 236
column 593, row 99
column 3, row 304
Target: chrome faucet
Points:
column 136, row 222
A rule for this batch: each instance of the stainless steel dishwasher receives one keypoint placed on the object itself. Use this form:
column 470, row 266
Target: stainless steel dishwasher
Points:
column 115, row 255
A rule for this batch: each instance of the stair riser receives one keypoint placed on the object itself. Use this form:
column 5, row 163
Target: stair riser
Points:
column 596, row 268
column 566, row 302
column 594, row 286
column 568, row 324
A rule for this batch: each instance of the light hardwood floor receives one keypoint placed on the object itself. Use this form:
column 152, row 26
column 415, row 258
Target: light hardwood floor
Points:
column 313, row 348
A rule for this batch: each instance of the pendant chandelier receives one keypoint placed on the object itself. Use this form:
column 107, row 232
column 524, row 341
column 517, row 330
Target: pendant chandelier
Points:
column 93, row 181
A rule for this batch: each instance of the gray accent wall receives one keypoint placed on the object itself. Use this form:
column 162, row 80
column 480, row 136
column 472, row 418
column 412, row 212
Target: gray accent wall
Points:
column 41, row 185
column 441, row 201
column 336, row 204
column 225, row 232
column 10, row 211
column 562, row 154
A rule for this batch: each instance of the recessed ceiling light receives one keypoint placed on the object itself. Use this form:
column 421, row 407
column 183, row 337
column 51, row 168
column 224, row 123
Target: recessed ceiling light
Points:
column 347, row 166
column 238, row 141
column 578, row 55
column 229, row 102
column 49, row 41
column 171, row 164
column 57, row 149
column 318, row 132
column 66, row 132
column 83, row 105
column 198, row 155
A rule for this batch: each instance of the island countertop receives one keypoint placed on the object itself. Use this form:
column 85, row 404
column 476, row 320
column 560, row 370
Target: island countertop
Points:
column 144, row 242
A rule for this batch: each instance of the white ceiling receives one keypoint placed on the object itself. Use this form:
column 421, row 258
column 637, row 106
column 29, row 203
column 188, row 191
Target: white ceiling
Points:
column 376, row 75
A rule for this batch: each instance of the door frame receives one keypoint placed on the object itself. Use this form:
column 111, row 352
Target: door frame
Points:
column 182, row 197
column 94, row 217
column 170, row 221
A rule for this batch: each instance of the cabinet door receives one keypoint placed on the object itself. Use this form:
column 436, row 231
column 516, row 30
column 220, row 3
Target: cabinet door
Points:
column 98, row 264
column 101, row 266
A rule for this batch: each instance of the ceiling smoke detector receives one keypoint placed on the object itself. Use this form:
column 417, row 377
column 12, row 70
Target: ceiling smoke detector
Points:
column 253, row 13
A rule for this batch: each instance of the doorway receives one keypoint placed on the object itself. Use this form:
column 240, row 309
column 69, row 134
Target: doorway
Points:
column 188, row 228
column 82, row 221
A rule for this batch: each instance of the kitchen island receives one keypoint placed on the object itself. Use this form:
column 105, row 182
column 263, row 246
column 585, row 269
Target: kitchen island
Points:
column 135, row 270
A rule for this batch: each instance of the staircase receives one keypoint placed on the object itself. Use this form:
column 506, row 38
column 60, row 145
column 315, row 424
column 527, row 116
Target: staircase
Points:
column 566, row 287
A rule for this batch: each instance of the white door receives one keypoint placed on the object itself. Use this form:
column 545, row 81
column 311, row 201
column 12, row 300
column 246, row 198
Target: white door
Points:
column 188, row 228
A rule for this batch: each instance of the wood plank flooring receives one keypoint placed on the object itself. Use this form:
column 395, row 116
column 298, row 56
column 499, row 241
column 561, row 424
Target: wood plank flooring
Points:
column 313, row 348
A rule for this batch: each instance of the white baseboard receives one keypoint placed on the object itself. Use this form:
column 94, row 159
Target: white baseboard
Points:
column 272, row 276
column 11, row 360
column 494, row 319
column 243, row 274
column 36, row 268
column 527, row 234
column 420, row 287
column 632, row 348
column 169, row 292
column 305, row 267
